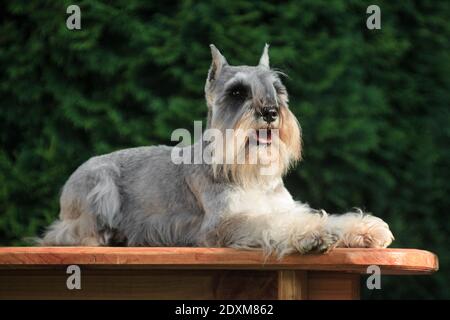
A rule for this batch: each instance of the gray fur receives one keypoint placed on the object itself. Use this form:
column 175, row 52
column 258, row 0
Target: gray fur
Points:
column 139, row 197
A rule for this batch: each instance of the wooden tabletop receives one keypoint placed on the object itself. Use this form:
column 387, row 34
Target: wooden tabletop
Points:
column 391, row 261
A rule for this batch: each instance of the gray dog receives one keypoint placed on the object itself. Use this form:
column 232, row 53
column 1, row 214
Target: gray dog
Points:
column 141, row 197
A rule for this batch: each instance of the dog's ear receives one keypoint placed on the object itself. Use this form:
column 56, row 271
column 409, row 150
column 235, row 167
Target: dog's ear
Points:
column 218, row 62
column 264, row 60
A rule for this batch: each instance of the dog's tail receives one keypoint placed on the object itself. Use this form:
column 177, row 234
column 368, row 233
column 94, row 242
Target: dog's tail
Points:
column 59, row 233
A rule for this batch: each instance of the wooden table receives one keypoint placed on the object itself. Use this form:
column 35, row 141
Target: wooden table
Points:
column 197, row 273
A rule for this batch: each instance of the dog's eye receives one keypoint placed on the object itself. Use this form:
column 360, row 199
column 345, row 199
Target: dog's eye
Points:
column 238, row 92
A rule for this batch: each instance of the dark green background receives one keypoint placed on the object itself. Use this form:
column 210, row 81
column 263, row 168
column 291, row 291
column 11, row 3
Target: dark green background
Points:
column 373, row 104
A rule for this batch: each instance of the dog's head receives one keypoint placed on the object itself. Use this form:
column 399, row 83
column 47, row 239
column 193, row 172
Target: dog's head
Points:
column 254, row 103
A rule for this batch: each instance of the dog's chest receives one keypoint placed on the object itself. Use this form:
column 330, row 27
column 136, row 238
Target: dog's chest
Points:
column 255, row 200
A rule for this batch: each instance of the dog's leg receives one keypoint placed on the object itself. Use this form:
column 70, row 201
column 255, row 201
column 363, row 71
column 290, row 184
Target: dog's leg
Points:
column 302, row 232
column 90, row 202
column 281, row 233
column 359, row 230
column 279, row 225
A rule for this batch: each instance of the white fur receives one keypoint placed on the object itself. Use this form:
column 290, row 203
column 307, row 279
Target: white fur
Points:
column 277, row 223
column 140, row 197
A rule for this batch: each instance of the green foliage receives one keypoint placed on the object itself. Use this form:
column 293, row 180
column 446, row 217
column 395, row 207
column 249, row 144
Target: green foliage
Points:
column 373, row 104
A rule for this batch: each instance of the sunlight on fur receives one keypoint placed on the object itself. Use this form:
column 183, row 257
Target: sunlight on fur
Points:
column 140, row 197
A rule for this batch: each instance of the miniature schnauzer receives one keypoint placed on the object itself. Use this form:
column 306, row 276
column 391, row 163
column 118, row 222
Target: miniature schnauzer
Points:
column 141, row 197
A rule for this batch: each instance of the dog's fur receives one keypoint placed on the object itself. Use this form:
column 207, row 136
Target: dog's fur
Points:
column 139, row 197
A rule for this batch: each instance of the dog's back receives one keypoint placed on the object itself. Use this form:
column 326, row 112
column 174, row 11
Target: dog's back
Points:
column 126, row 196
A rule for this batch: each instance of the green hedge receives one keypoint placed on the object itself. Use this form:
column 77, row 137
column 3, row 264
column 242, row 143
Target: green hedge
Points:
column 373, row 104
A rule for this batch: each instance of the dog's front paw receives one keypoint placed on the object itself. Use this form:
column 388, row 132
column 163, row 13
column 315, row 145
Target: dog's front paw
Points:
column 315, row 241
column 367, row 231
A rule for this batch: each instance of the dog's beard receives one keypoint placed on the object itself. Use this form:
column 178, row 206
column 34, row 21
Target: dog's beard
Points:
column 252, row 153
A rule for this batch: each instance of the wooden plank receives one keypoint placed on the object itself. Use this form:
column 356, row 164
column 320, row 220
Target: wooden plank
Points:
column 139, row 284
column 391, row 261
column 245, row 284
column 292, row 285
column 333, row 286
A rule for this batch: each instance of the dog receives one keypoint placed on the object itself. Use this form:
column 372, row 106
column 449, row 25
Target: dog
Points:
column 141, row 197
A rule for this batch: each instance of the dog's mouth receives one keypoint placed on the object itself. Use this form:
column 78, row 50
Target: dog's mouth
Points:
column 264, row 137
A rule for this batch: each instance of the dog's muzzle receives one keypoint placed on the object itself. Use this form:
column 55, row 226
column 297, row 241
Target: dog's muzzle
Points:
column 269, row 114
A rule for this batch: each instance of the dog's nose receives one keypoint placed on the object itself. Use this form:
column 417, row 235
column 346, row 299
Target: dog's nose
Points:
column 269, row 114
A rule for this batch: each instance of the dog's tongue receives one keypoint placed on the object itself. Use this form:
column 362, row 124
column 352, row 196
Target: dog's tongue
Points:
column 264, row 136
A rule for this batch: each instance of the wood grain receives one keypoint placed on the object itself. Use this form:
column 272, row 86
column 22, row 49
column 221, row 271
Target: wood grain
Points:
column 391, row 261
column 333, row 286
column 99, row 284
column 292, row 285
